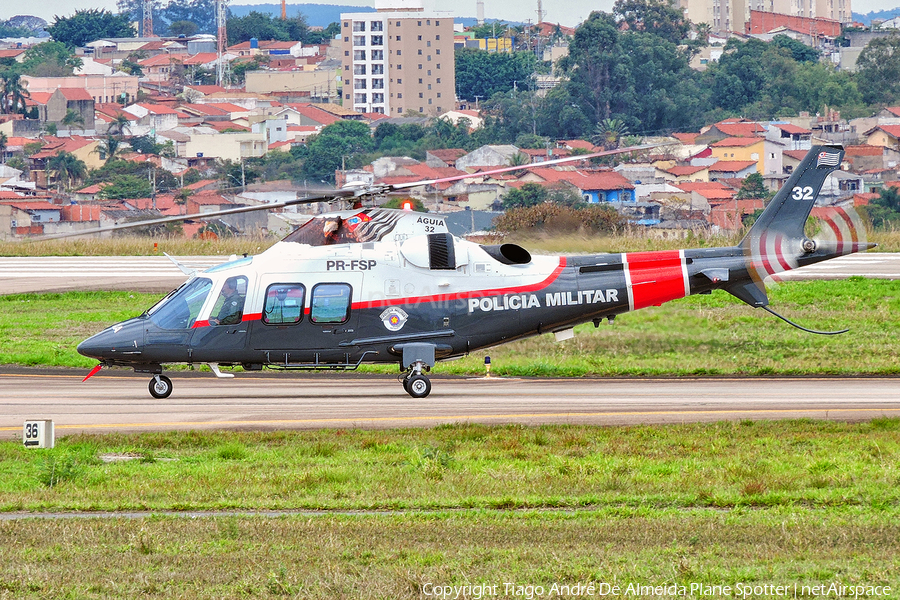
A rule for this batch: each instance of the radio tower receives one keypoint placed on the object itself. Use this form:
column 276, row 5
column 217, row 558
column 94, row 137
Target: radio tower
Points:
column 147, row 20
column 284, row 10
column 221, row 66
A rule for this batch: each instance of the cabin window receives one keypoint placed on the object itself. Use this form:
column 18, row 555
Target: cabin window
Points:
column 284, row 304
column 330, row 303
column 179, row 309
column 229, row 306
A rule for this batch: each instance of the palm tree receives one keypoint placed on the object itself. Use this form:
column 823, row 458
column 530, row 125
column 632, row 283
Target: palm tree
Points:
column 108, row 148
column 67, row 167
column 73, row 117
column 118, row 125
column 13, row 92
column 608, row 132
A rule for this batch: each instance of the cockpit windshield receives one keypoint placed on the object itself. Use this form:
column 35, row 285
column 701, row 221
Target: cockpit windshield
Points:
column 179, row 309
column 367, row 225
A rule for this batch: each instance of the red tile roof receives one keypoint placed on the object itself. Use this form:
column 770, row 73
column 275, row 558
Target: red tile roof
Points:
column 891, row 130
column 732, row 166
column 864, row 150
column 737, row 142
column 741, row 128
column 75, row 94
column 792, row 129
column 685, row 138
column 586, row 180
column 685, row 171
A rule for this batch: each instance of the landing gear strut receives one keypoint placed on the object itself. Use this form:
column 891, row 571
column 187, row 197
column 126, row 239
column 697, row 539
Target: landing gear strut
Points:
column 417, row 358
column 415, row 383
column 160, row 387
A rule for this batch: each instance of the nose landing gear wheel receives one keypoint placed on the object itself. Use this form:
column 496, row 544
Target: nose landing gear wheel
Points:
column 160, row 387
column 417, row 386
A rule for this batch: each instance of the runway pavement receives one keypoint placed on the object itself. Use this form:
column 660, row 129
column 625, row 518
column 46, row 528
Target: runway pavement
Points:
column 159, row 274
column 118, row 401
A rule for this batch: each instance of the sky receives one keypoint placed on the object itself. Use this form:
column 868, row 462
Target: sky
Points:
column 568, row 12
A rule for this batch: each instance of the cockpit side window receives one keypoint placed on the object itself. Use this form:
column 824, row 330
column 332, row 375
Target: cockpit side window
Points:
column 229, row 306
column 284, row 304
column 180, row 310
column 330, row 303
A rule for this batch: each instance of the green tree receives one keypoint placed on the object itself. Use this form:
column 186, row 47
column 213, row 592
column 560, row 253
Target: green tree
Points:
column 753, row 186
column 482, row 74
column 239, row 69
column 265, row 27
column 530, row 194
column 799, row 51
column 89, row 25
column 13, row 92
column 72, row 119
column 3, row 142
column 658, row 17
column 878, row 71
column 884, row 211
column 50, row 59
column 109, row 148
column 185, row 28
column 200, row 13
column 67, row 168
column 342, row 142
column 608, row 132
column 126, row 186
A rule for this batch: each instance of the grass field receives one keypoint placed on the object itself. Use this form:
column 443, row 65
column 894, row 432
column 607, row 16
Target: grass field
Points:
column 714, row 334
column 726, row 504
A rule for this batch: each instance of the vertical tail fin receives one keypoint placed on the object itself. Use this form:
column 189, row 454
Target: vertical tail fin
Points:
column 787, row 212
column 776, row 240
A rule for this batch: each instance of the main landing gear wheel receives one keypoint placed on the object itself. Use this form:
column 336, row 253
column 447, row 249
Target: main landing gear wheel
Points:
column 160, row 387
column 417, row 386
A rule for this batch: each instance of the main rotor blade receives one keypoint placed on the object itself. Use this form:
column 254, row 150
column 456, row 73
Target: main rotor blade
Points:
column 334, row 195
column 540, row 165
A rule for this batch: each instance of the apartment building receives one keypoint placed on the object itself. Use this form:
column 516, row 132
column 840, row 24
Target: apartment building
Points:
column 398, row 59
column 725, row 16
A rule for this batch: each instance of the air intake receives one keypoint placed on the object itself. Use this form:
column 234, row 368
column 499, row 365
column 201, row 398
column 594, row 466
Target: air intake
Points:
column 441, row 254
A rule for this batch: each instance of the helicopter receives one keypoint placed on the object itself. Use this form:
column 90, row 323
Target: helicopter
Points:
column 376, row 285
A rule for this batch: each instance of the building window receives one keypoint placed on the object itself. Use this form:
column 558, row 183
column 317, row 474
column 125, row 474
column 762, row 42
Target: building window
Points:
column 346, row 53
column 399, row 94
column 398, row 38
column 377, row 69
column 377, row 98
column 437, row 51
column 359, row 69
column 428, row 43
column 359, row 55
column 438, row 94
column 428, row 22
column 428, row 57
column 360, row 98
column 378, row 55
column 429, row 101
column 420, row 80
column 419, row 23
column 437, row 37
column 378, row 40
column 359, row 26
column 420, row 65
column 378, row 84
column 398, row 23
column 399, row 81
column 420, row 52
column 359, row 84
column 399, row 52
column 359, row 40
column 439, row 80
column 420, row 38
column 421, row 95
column 377, row 26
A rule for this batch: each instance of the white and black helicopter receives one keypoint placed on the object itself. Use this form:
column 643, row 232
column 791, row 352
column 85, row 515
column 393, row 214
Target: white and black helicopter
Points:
column 374, row 285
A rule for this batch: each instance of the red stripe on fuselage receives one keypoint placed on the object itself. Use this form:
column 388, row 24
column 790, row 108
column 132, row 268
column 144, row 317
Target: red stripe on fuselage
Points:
column 656, row 277
column 465, row 295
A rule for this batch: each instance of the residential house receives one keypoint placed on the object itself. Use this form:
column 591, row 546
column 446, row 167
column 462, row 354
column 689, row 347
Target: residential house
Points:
column 26, row 216
column 765, row 153
column 82, row 148
column 887, row 136
column 679, row 174
column 159, row 68
column 487, row 156
column 156, row 116
column 443, row 157
column 729, row 128
column 472, row 116
column 102, row 88
column 294, row 86
column 861, row 158
column 732, row 169
column 77, row 100
column 791, row 136
column 593, row 186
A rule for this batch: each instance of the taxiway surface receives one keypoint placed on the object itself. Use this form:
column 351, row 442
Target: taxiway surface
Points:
column 118, row 401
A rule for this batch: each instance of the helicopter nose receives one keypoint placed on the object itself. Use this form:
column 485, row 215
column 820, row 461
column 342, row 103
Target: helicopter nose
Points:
column 118, row 342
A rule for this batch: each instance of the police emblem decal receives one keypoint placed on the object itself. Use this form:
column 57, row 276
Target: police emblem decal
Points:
column 394, row 318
